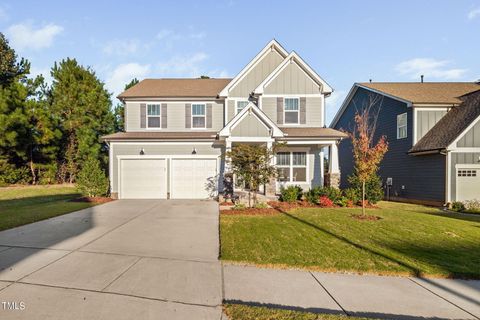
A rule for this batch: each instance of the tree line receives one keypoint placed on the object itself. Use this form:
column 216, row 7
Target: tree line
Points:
column 48, row 132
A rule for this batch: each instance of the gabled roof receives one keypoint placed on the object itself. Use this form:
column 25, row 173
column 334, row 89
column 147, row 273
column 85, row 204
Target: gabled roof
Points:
column 425, row 92
column 166, row 88
column 251, row 108
column 272, row 45
column 452, row 126
column 294, row 57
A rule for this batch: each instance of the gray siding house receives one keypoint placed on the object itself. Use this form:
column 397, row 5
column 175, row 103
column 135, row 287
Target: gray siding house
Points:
column 177, row 131
column 433, row 131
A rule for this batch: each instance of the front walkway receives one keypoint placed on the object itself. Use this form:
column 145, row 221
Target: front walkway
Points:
column 355, row 295
column 127, row 259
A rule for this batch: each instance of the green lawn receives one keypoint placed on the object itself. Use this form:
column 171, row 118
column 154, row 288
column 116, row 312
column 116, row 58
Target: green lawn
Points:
column 409, row 239
column 241, row 312
column 22, row 205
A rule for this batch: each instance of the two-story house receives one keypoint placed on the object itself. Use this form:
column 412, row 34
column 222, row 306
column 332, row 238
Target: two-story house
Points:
column 177, row 131
column 433, row 131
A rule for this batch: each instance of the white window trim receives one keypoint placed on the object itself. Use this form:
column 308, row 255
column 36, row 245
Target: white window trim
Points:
column 197, row 116
column 236, row 104
column 291, row 166
column 285, row 111
column 159, row 116
column 406, row 126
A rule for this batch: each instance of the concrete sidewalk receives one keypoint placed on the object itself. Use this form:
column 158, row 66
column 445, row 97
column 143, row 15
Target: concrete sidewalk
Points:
column 355, row 295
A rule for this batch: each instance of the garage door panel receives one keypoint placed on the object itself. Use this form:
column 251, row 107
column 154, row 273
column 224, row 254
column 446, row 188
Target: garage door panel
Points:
column 193, row 178
column 143, row 179
column 468, row 183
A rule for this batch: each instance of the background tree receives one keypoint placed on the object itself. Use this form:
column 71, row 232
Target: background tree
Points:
column 253, row 165
column 82, row 106
column 367, row 155
column 119, row 111
column 10, row 67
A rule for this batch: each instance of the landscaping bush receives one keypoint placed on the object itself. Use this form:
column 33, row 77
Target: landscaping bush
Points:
column 330, row 192
column 324, row 201
column 342, row 202
column 291, row 194
column 239, row 206
column 312, row 195
column 91, row 180
column 261, row 205
column 472, row 206
column 373, row 188
column 458, row 206
column 352, row 195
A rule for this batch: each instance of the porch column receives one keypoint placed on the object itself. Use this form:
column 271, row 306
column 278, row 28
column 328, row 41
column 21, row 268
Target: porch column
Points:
column 228, row 148
column 321, row 154
column 334, row 169
column 271, row 187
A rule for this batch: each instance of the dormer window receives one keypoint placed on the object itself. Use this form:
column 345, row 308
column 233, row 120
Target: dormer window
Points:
column 291, row 110
column 241, row 104
column 153, row 116
column 198, row 115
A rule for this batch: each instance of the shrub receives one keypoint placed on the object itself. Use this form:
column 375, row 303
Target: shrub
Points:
column 342, row 202
column 373, row 188
column 324, row 201
column 330, row 192
column 261, row 205
column 472, row 206
column 458, row 206
column 9, row 174
column 91, row 180
column 47, row 174
column 239, row 206
column 352, row 195
column 291, row 194
column 312, row 195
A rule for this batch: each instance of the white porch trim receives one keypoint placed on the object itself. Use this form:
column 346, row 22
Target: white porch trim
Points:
column 333, row 159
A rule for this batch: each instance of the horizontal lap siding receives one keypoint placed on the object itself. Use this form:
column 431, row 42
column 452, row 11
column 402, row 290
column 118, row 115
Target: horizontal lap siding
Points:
column 122, row 149
column 423, row 177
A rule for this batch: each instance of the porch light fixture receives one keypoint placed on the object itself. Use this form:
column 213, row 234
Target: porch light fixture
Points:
column 194, row 151
column 142, row 152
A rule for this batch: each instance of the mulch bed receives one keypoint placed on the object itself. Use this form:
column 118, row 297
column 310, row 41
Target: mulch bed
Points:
column 365, row 217
column 226, row 203
column 251, row 212
column 93, row 199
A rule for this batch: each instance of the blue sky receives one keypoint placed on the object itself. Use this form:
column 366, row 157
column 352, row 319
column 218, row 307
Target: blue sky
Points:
column 344, row 41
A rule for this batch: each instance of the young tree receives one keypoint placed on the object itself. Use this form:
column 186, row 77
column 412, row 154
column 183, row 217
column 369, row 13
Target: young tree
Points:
column 119, row 111
column 82, row 106
column 367, row 155
column 253, row 165
column 91, row 180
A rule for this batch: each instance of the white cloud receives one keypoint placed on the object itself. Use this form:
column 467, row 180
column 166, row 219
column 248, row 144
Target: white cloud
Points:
column 197, row 35
column 333, row 104
column 186, row 66
column 121, row 47
column 472, row 14
column 25, row 36
column 431, row 68
column 165, row 33
column 123, row 74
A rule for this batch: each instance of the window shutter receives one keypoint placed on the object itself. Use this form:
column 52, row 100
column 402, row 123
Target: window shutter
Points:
column 188, row 115
column 303, row 110
column 209, row 115
column 279, row 110
column 143, row 115
column 164, row 115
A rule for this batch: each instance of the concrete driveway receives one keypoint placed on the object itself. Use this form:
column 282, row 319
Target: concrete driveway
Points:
column 127, row 259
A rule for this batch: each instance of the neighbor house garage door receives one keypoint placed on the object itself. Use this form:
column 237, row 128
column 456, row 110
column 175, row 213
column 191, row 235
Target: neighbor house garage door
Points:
column 143, row 179
column 193, row 178
column 468, row 183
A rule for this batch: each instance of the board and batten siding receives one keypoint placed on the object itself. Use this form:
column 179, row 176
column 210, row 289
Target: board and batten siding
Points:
column 256, row 75
column 231, row 109
column 314, row 111
column 250, row 126
column 175, row 116
column 414, row 177
column 133, row 149
column 460, row 158
column 471, row 139
column 292, row 80
column 426, row 119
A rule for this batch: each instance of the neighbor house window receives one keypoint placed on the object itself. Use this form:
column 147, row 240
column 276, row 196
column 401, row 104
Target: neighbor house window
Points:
column 153, row 116
column 198, row 116
column 402, row 126
column 291, row 110
column 241, row 104
column 292, row 166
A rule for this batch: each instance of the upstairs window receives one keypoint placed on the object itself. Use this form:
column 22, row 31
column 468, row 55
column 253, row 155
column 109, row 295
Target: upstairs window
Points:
column 402, row 126
column 198, row 115
column 153, row 116
column 241, row 104
column 291, row 110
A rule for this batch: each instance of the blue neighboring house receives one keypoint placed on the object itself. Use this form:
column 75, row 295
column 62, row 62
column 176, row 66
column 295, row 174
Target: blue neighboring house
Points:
column 433, row 131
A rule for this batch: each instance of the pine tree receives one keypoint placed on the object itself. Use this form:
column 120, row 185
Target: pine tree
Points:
column 82, row 106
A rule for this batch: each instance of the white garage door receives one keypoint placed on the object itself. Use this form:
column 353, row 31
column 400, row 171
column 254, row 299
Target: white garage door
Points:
column 468, row 183
column 193, row 178
column 143, row 179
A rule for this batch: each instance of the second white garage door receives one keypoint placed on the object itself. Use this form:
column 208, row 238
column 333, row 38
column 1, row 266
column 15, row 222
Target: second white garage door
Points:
column 193, row 178
column 468, row 183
